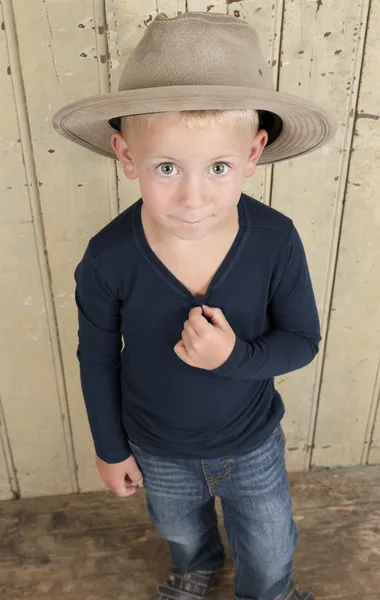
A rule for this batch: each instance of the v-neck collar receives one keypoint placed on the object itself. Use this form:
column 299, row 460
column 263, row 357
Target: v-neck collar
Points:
column 162, row 270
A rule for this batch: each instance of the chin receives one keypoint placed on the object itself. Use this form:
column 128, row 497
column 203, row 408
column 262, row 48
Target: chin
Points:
column 190, row 234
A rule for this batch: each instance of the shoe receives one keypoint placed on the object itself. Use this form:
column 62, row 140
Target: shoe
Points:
column 292, row 592
column 186, row 586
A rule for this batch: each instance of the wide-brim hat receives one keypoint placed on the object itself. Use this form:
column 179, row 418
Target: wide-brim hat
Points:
column 199, row 61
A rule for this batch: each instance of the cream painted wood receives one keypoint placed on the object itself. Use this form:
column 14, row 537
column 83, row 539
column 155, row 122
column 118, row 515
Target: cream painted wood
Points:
column 350, row 386
column 5, row 487
column 74, row 191
column 218, row 6
column 322, row 45
column 56, row 196
column 31, row 407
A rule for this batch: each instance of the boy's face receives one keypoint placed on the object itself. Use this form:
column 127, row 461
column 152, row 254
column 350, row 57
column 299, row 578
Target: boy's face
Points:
column 190, row 179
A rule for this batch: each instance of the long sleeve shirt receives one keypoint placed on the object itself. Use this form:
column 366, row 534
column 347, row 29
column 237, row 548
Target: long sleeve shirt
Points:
column 131, row 313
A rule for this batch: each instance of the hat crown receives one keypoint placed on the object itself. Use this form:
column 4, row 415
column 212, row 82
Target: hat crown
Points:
column 197, row 49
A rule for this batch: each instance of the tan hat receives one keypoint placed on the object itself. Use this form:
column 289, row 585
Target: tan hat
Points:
column 199, row 61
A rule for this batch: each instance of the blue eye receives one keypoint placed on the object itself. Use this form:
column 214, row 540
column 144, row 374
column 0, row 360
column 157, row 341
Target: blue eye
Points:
column 166, row 169
column 220, row 168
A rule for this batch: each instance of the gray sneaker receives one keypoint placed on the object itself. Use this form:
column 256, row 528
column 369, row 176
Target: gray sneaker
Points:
column 186, row 586
column 292, row 592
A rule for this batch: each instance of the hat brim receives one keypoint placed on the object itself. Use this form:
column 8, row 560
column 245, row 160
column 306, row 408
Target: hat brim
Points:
column 306, row 125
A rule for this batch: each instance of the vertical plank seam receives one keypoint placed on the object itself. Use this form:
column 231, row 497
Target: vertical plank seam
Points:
column 8, row 455
column 4, row 435
column 269, row 169
column 372, row 419
column 104, row 80
column 39, row 233
column 375, row 401
column 337, row 231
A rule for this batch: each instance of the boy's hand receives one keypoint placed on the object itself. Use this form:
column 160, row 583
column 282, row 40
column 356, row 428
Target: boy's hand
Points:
column 206, row 345
column 122, row 478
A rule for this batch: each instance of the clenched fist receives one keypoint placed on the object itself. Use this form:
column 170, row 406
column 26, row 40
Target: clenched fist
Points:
column 122, row 478
column 205, row 345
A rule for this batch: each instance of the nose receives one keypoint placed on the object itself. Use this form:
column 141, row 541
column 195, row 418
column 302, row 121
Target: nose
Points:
column 192, row 193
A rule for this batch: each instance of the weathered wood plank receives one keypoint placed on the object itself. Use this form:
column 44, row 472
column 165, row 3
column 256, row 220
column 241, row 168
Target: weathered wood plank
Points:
column 218, row 6
column 5, row 484
column 321, row 52
column 92, row 544
column 28, row 382
column 350, row 387
column 374, row 457
column 11, row 197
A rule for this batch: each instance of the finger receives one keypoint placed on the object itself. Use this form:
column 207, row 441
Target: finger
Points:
column 189, row 328
column 123, row 491
column 199, row 324
column 216, row 315
column 196, row 311
column 180, row 351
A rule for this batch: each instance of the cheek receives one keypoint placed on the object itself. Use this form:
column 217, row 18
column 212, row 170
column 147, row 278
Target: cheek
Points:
column 156, row 197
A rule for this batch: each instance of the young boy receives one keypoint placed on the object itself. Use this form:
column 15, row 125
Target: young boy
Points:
column 211, row 293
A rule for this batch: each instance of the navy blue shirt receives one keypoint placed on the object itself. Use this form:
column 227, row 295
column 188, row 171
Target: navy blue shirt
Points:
column 131, row 313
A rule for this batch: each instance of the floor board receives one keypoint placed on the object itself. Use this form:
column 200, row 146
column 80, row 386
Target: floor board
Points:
column 95, row 546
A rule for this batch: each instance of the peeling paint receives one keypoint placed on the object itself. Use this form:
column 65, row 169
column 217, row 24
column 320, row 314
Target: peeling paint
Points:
column 337, row 51
column 2, row 26
column 364, row 115
column 210, row 6
column 327, row 34
column 28, row 301
column 236, row 13
column 8, row 70
column 319, row 4
column 232, row 1
column 148, row 20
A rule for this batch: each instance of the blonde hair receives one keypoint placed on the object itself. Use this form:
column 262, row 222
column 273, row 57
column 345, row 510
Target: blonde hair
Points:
column 200, row 119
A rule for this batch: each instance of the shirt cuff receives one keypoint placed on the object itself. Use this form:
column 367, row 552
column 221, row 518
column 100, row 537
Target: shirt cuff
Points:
column 115, row 458
column 233, row 360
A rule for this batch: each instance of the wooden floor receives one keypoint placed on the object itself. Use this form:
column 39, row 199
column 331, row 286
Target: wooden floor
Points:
column 99, row 547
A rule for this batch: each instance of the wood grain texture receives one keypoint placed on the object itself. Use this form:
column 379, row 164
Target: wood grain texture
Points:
column 350, row 387
column 74, row 189
column 321, row 53
column 96, row 545
column 31, row 408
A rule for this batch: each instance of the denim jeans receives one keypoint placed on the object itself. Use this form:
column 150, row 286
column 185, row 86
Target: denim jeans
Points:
column 257, row 512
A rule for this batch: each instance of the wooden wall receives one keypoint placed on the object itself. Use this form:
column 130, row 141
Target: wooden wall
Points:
column 55, row 196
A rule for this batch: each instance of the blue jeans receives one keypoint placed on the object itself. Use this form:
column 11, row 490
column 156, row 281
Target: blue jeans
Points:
column 257, row 512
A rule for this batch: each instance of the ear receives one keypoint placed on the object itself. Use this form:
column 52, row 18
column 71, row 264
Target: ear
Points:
column 259, row 143
column 122, row 151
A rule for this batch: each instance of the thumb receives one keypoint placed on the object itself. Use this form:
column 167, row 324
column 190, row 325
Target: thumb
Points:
column 217, row 317
column 134, row 476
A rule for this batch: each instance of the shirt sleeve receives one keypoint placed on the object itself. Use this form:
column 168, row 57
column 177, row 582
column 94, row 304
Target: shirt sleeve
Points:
column 99, row 354
column 294, row 336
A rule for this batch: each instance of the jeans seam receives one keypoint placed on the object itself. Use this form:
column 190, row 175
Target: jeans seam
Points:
column 211, row 479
